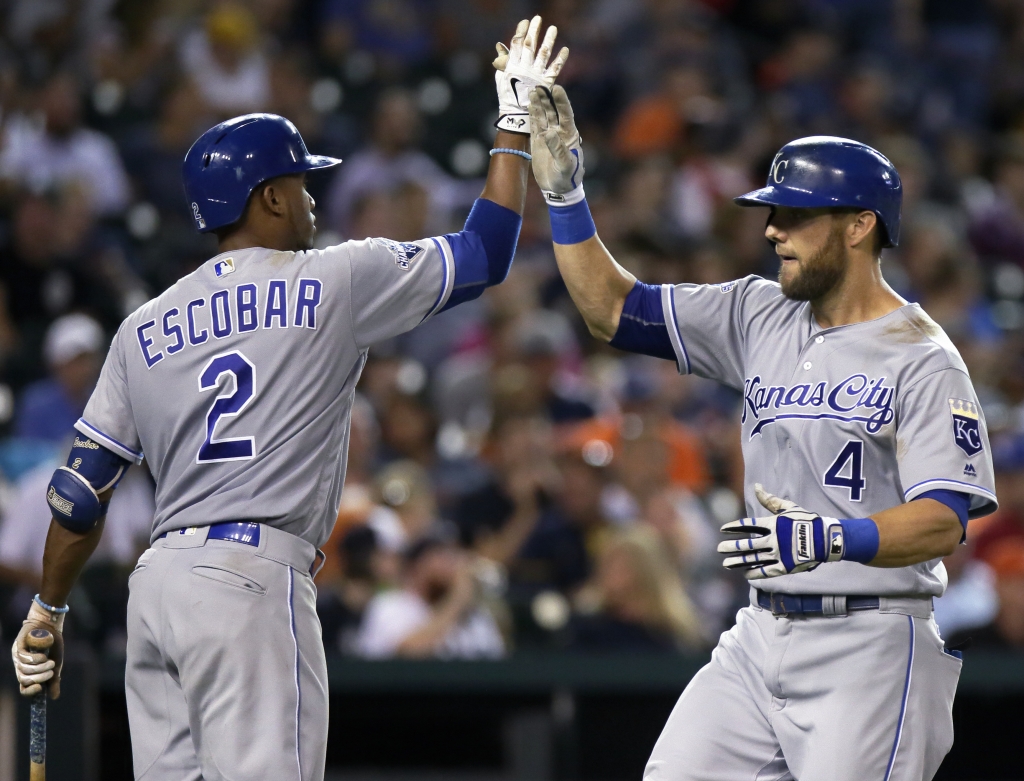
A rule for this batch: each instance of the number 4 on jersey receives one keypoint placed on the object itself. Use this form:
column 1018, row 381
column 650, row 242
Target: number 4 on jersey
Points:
column 852, row 454
column 227, row 405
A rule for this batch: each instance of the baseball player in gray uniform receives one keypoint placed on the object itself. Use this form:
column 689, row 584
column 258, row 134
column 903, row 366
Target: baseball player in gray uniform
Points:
column 856, row 406
column 236, row 386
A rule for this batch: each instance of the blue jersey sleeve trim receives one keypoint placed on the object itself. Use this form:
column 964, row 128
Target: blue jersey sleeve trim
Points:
column 668, row 293
column 447, row 274
column 983, row 501
column 483, row 250
column 109, row 442
column 642, row 326
column 957, row 501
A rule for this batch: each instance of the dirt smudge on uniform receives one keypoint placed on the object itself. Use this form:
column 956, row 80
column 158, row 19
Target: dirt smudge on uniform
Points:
column 914, row 327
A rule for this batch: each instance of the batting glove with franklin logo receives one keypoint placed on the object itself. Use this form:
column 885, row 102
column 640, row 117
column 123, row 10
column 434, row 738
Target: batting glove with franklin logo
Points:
column 790, row 540
column 520, row 70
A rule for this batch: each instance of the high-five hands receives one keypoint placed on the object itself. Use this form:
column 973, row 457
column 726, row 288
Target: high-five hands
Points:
column 790, row 540
column 520, row 69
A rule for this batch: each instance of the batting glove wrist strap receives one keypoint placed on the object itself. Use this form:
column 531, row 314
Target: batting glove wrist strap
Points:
column 559, row 200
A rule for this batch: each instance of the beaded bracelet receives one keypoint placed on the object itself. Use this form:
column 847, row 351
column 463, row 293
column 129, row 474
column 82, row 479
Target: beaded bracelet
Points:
column 525, row 155
column 51, row 608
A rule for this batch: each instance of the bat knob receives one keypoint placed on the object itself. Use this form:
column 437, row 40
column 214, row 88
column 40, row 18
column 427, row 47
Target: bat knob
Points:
column 39, row 634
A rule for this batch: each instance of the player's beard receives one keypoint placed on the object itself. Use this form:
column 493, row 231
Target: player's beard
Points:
column 820, row 273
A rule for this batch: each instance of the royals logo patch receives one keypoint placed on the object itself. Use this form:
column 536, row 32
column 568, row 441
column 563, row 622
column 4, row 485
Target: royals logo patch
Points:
column 966, row 426
column 403, row 252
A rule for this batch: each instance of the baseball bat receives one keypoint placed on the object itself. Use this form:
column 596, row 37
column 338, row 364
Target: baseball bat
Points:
column 39, row 640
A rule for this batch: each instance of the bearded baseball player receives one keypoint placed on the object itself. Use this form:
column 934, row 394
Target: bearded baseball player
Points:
column 236, row 386
column 865, row 451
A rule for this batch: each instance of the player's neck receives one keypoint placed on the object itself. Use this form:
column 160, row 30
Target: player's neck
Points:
column 862, row 295
column 246, row 238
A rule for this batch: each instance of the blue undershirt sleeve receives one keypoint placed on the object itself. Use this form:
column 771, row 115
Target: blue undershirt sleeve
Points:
column 483, row 250
column 956, row 501
column 642, row 324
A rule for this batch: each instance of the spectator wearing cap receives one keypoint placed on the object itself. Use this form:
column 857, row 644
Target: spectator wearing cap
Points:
column 225, row 61
column 438, row 612
column 545, row 342
column 60, row 151
column 50, row 408
column 342, row 599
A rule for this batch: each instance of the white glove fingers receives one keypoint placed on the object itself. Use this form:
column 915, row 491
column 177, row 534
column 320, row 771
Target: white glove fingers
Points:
column 516, row 50
column 544, row 50
column 501, row 61
column 772, row 502
column 530, row 43
column 538, row 119
column 747, row 544
column 556, row 66
column 566, row 120
column 31, row 691
column 747, row 526
column 26, row 678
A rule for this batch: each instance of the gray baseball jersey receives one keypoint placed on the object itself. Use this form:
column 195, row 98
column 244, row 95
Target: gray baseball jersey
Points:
column 845, row 421
column 237, row 382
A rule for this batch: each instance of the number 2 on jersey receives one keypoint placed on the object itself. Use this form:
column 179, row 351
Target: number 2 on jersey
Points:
column 228, row 404
column 852, row 454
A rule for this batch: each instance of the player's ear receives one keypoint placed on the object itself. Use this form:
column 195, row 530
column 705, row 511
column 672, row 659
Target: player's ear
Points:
column 862, row 229
column 272, row 199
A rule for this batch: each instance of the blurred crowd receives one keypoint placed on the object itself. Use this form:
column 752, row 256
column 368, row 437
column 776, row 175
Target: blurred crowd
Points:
column 512, row 483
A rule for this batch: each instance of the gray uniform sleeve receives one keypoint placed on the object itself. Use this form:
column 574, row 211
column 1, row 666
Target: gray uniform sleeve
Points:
column 108, row 417
column 942, row 440
column 708, row 325
column 397, row 285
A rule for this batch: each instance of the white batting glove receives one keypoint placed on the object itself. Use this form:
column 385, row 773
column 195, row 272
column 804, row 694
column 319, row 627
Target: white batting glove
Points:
column 556, row 147
column 522, row 68
column 790, row 540
column 32, row 668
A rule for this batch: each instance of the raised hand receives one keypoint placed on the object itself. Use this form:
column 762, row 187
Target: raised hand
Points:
column 520, row 69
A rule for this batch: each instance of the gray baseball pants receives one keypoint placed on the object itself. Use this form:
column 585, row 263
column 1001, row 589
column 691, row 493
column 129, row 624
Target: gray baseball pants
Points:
column 862, row 697
column 226, row 677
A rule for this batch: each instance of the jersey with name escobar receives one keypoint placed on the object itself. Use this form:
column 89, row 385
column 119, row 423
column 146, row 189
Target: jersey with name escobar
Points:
column 236, row 384
column 844, row 421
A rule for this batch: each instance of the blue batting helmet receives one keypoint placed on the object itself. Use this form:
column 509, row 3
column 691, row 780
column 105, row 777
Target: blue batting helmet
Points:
column 824, row 171
column 231, row 159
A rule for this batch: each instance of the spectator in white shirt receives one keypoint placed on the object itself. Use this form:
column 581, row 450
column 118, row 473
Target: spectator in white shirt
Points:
column 54, row 150
column 437, row 613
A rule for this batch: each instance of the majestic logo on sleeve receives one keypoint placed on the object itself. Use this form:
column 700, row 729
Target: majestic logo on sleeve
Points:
column 966, row 426
column 403, row 252
column 857, row 398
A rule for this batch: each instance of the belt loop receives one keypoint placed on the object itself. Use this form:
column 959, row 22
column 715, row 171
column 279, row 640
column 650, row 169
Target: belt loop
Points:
column 833, row 605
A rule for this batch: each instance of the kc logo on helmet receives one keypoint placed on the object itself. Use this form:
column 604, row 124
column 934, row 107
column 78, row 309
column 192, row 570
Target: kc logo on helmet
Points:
column 778, row 170
column 966, row 426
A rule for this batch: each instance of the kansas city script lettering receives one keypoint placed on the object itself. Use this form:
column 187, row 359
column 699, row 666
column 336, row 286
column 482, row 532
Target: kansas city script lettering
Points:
column 856, row 398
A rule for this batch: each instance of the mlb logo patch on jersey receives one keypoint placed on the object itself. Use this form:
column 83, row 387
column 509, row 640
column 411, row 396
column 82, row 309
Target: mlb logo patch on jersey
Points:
column 403, row 252
column 728, row 287
column 224, row 267
column 966, row 426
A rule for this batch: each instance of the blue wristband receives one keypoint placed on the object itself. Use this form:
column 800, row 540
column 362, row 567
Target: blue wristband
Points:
column 571, row 224
column 860, row 539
